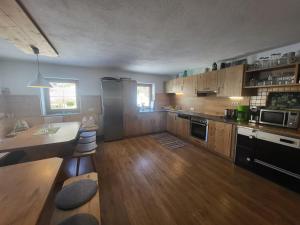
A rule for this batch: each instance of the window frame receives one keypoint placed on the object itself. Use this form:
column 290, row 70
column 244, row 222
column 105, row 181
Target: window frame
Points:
column 46, row 98
column 150, row 93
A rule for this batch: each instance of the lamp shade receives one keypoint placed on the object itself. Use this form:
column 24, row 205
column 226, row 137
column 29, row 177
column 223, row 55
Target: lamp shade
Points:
column 39, row 82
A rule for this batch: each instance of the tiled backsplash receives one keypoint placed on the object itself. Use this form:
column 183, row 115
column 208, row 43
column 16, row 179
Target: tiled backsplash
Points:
column 209, row 105
column 262, row 94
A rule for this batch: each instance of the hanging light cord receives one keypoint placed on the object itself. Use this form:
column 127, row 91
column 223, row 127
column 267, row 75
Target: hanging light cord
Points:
column 36, row 51
column 38, row 63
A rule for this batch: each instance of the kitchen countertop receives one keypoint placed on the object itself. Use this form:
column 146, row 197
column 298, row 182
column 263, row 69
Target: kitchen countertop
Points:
column 151, row 110
column 271, row 129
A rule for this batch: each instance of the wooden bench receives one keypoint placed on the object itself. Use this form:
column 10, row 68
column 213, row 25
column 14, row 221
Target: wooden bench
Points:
column 92, row 207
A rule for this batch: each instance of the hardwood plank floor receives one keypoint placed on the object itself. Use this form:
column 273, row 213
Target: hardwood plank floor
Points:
column 143, row 183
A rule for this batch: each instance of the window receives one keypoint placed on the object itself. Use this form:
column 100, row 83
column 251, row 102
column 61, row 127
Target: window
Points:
column 62, row 97
column 144, row 95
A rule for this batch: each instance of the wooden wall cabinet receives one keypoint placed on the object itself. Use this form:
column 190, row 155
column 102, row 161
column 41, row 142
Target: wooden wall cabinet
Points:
column 226, row 82
column 174, row 85
column 220, row 136
column 230, row 82
column 179, row 85
column 207, row 81
column 190, row 86
column 169, row 86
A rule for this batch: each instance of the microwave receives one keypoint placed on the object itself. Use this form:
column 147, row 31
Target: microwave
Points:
column 281, row 118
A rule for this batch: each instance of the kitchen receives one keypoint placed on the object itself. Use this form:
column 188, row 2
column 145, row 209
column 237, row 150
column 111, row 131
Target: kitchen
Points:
column 113, row 114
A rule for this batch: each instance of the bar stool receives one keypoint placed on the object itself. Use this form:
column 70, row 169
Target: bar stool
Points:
column 86, row 147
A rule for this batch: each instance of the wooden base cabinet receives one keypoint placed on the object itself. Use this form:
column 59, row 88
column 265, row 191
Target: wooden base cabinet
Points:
column 171, row 122
column 182, row 128
column 177, row 126
column 144, row 123
column 220, row 136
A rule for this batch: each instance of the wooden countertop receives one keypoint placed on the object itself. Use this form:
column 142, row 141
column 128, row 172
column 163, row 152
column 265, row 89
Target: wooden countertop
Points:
column 67, row 132
column 24, row 189
column 295, row 133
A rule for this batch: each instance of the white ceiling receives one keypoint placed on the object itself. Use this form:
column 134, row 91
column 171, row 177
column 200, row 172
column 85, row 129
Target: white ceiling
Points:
column 159, row 36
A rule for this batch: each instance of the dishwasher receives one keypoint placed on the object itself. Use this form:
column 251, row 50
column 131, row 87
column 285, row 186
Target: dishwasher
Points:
column 272, row 156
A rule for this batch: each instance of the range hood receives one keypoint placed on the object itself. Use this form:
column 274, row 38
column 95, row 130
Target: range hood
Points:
column 206, row 93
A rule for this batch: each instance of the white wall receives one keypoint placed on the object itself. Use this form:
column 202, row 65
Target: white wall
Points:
column 16, row 74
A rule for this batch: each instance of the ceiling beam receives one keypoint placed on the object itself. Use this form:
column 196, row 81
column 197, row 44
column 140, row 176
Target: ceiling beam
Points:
column 18, row 27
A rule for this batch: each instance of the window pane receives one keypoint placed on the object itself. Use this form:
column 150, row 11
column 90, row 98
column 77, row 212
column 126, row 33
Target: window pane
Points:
column 56, row 90
column 63, row 96
column 143, row 95
column 70, row 90
column 70, row 103
column 56, row 102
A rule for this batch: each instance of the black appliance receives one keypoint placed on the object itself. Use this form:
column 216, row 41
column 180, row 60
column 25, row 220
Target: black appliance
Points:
column 272, row 156
column 199, row 128
column 230, row 114
column 184, row 116
column 254, row 114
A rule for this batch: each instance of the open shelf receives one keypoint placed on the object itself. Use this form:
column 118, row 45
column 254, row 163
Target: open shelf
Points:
column 273, row 68
column 275, row 85
column 280, row 73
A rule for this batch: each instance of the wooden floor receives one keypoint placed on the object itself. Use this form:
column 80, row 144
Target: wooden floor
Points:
column 143, row 183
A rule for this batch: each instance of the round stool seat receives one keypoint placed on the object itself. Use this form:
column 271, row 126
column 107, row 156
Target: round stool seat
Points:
column 80, row 219
column 86, row 147
column 76, row 194
column 87, row 140
column 88, row 134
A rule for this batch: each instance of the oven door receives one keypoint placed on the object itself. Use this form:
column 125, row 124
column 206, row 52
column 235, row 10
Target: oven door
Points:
column 273, row 117
column 199, row 130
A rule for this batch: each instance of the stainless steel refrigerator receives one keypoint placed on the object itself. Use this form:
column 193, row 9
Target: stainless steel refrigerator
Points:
column 113, row 108
column 118, row 99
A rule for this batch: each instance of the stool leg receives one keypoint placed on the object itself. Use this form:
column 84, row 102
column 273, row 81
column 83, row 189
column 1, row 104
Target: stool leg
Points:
column 77, row 166
column 93, row 162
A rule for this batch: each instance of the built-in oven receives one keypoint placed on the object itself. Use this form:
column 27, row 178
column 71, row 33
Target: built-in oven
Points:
column 281, row 118
column 199, row 128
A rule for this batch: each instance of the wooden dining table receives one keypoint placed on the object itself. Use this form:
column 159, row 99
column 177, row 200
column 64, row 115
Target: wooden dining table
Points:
column 37, row 137
column 24, row 189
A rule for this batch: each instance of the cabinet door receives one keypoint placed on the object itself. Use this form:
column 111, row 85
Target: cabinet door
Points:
column 190, row 86
column 234, row 80
column 223, row 139
column 231, row 81
column 221, row 74
column 211, row 79
column 220, row 138
column 201, row 82
column 171, row 122
column 182, row 128
column 170, row 86
column 211, row 135
column 179, row 85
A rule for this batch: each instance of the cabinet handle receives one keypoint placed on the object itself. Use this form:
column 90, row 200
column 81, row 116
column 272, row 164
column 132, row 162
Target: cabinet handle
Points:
column 248, row 159
column 251, row 137
column 286, row 141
